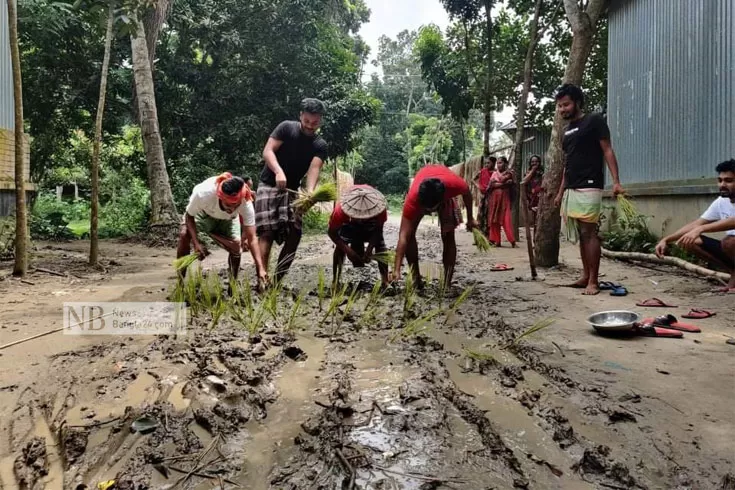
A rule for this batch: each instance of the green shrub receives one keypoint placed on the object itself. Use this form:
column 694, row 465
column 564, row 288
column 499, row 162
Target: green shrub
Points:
column 630, row 235
column 395, row 203
column 315, row 222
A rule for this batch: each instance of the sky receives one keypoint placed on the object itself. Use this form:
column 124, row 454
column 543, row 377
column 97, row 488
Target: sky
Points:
column 389, row 17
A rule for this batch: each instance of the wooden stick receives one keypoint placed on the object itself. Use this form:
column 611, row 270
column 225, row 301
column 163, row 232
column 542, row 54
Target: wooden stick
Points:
column 529, row 238
column 682, row 264
column 47, row 271
column 5, row 346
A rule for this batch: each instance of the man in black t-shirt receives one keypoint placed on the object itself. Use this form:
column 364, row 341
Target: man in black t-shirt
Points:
column 586, row 146
column 293, row 151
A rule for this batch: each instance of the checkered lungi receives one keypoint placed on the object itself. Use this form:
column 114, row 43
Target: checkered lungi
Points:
column 274, row 213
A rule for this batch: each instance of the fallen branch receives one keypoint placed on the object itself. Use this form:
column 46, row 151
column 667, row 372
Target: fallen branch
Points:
column 204, row 475
column 682, row 264
column 16, row 342
column 47, row 271
column 416, row 476
column 348, row 468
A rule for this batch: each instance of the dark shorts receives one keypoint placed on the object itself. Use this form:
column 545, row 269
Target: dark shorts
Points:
column 714, row 248
column 356, row 236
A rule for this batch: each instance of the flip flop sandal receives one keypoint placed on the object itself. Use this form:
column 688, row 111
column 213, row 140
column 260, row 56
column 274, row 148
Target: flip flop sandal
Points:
column 730, row 341
column 698, row 314
column 501, row 267
column 607, row 285
column 619, row 290
column 655, row 303
column 651, row 331
column 670, row 322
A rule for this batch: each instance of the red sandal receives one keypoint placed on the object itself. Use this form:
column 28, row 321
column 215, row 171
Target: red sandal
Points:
column 501, row 267
column 670, row 322
column 698, row 314
column 655, row 303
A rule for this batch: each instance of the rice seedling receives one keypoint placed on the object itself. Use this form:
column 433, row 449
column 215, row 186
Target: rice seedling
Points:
column 295, row 310
column 347, row 309
column 478, row 356
column 257, row 319
column 387, row 257
column 238, row 315
column 409, row 293
column 462, row 298
column 183, row 263
column 192, row 288
column 338, row 296
column 417, row 326
column 540, row 325
column 323, row 193
column 626, row 208
column 321, row 287
column 217, row 311
column 211, row 290
column 371, row 306
column 480, row 240
column 270, row 302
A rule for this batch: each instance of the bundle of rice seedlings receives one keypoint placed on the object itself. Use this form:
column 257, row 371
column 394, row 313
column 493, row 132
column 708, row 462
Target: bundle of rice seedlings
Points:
column 386, row 258
column 626, row 208
column 183, row 263
column 323, row 193
column 480, row 240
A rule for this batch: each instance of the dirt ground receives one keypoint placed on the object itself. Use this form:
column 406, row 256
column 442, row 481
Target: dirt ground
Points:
column 366, row 402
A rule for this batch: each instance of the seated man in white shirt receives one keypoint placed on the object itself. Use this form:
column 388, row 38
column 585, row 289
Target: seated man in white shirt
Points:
column 720, row 216
column 213, row 208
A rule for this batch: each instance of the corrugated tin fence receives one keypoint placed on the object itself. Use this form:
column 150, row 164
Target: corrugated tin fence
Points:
column 6, row 72
column 671, row 88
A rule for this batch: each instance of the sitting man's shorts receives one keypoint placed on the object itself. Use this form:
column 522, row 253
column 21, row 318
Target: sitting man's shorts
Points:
column 714, row 248
column 357, row 235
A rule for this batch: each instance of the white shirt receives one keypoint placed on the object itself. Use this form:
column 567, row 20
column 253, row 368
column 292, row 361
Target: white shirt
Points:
column 721, row 208
column 204, row 200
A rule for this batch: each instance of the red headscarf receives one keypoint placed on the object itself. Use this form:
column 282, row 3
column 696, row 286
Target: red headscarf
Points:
column 232, row 199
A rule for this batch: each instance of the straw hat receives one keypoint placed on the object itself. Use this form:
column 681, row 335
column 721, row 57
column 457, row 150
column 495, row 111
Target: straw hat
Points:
column 362, row 203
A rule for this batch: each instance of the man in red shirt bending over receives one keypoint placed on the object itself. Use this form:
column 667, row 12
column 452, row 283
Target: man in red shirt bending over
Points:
column 434, row 189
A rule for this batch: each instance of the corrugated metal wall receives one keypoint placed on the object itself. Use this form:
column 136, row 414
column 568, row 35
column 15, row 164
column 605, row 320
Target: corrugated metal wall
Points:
column 6, row 73
column 671, row 87
column 538, row 146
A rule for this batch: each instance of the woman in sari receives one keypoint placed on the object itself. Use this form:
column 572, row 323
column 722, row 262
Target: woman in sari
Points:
column 499, row 205
column 532, row 185
column 482, row 182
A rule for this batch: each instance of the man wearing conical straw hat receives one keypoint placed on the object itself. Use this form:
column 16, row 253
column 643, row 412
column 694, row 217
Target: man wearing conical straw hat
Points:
column 357, row 219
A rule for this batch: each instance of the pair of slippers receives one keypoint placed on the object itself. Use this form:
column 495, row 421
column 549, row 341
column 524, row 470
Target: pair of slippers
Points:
column 695, row 313
column 615, row 289
column 501, row 267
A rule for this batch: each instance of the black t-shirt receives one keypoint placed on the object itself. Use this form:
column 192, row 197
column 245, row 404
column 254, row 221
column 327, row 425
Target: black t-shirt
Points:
column 584, row 161
column 295, row 154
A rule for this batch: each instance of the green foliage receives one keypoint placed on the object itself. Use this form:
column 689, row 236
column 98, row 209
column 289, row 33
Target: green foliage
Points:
column 630, row 234
column 427, row 140
column 315, row 222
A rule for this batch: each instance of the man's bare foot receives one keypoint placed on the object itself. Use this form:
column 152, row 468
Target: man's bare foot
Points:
column 591, row 290
column 580, row 284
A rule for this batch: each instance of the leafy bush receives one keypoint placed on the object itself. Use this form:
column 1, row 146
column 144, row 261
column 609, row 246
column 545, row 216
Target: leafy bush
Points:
column 315, row 222
column 125, row 210
column 395, row 203
column 630, row 235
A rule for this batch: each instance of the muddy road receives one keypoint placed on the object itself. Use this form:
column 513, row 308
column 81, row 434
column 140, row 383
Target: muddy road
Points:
column 432, row 390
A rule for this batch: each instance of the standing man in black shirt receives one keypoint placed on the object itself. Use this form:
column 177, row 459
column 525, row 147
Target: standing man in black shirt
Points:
column 586, row 146
column 293, row 151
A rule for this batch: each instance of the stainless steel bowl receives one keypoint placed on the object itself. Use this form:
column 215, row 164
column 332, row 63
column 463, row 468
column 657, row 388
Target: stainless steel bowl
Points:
column 614, row 321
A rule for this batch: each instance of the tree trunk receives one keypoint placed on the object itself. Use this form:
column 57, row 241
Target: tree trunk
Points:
column 21, row 221
column 548, row 221
column 93, row 225
column 163, row 210
column 488, row 78
column 152, row 24
column 516, row 160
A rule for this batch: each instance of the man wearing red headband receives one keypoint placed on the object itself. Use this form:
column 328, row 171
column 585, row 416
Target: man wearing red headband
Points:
column 213, row 206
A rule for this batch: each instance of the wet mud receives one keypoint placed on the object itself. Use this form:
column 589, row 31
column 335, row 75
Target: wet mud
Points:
column 374, row 392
